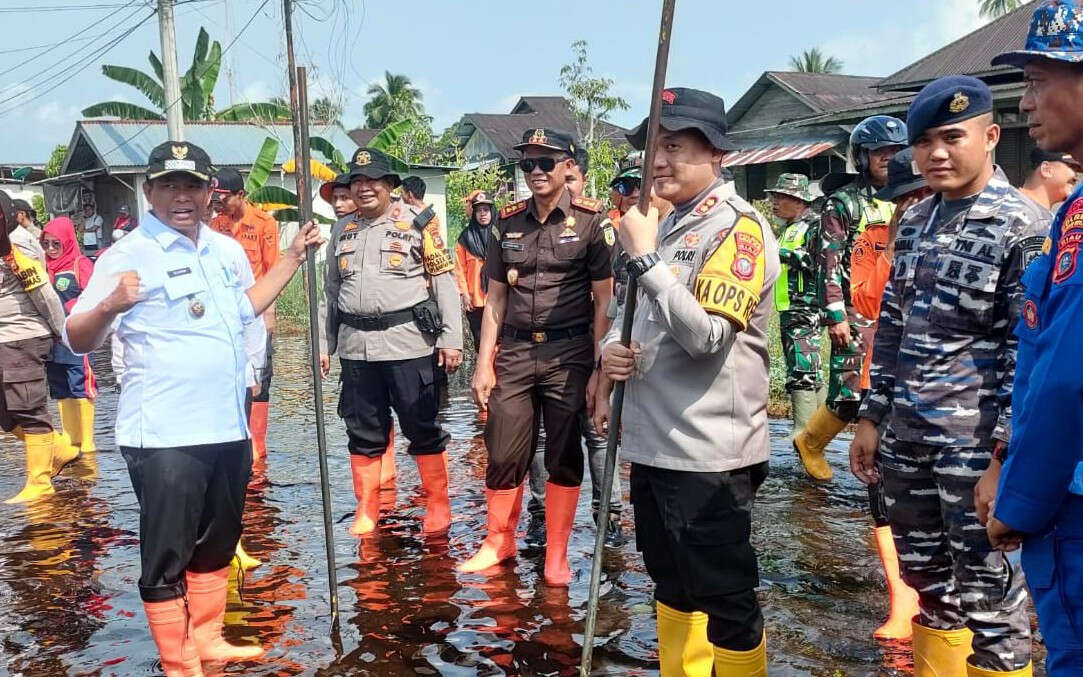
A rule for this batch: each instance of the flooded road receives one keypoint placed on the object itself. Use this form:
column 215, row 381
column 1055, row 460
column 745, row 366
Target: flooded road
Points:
column 69, row 565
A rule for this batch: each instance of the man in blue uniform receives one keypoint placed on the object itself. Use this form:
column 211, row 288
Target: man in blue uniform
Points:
column 1040, row 499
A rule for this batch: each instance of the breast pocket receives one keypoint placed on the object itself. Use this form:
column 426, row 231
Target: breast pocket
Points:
column 964, row 295
column 397, row 257
column 344, row 255
column 512, row 251
column 570, row 249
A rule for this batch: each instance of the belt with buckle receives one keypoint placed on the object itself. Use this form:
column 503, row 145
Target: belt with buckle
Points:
column 377, row 322
column 544, row 335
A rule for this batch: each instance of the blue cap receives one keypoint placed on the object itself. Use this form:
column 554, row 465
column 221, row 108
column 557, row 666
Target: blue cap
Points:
column 1056, row 32
column 946, row 101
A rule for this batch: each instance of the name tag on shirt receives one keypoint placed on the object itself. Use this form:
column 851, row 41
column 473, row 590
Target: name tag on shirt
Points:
column 513, row 246
column 179, row 271
column 183, row 286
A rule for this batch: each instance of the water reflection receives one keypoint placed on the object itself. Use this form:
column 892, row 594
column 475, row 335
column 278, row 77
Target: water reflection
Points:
column 68, row 569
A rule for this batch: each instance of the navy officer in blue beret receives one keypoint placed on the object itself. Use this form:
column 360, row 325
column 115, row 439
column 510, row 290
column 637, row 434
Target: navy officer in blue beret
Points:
column 941, row 380
column 1039, row 502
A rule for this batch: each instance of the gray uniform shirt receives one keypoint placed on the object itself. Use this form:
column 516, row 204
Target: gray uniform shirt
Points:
column 376, row 266
column 698, row 399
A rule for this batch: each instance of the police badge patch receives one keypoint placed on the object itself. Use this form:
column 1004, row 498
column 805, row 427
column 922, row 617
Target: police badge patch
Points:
column 1065, row 265
column 609, row 235
column 1030, row 314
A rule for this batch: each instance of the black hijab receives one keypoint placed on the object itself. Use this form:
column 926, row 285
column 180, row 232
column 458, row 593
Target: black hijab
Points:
column 476, row 237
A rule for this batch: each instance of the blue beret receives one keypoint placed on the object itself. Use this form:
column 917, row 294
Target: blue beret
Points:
column 1056, row 32
column 946, row 101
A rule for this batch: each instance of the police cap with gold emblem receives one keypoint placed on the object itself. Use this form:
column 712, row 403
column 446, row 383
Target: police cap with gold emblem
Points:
column 179, row 156
column 684, row 108
column 373, row 164
column 947, row 101
column 544, row 137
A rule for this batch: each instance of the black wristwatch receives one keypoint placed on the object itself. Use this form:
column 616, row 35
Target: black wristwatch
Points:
column 637, row 265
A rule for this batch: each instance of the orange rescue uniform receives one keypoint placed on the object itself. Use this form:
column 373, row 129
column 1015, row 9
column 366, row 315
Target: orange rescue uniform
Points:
column 468, row 275
column 257, row 232
column 869, row 273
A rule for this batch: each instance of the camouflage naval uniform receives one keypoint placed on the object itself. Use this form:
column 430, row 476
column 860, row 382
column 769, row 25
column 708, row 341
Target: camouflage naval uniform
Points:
column 942, row 375
column 847, row 212
column 795, row 291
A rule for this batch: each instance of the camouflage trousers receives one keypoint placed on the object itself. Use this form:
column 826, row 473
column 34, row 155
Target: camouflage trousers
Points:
column 801, row 335
column 844, row 369
column 945, row 554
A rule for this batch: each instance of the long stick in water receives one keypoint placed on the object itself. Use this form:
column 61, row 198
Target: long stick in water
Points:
column 661, row 62
column 299, row 100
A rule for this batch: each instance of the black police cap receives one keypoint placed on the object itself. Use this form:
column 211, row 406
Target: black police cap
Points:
column 372, row 164
column 684, row 108
column 1038, row 156
column 946, row 101
column 179, row 156
column 228, row 180
column 327, row 190
column 544, row 137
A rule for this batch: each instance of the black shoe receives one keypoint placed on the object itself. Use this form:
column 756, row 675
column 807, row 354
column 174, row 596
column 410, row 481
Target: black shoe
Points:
column 614, row 532
column 535, row 532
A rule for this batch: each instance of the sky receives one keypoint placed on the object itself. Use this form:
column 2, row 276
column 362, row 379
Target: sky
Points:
column 464, row 56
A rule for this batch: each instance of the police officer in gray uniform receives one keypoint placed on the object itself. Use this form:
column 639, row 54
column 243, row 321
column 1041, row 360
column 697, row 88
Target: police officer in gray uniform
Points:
column 391, row 303
column 942, row 377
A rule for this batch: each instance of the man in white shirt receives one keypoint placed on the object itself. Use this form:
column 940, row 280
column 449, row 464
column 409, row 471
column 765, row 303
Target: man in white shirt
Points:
column 177, row 296
column 93, row 228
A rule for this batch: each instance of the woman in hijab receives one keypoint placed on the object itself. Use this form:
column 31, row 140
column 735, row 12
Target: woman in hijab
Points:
column 71, row 381
column 31, row 317
column 470, row 253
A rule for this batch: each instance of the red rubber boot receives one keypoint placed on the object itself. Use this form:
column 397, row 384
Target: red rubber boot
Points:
column 207, row 609
column 499, row 545
column 366, row 487
column 904, row 599
column 433, row 471
column 169, row 627
column 257, row 423
column 560, row 505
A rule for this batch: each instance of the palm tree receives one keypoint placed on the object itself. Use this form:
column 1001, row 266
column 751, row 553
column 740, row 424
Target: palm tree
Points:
column 814, row 61
column 322, row 111
column 392, row 101
column 993, row 9
column 197, row 91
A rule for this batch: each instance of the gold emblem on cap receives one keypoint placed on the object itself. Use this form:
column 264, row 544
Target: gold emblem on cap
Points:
column 538, row 137
column 959, row 103
column 180, row 152
column 363, row 158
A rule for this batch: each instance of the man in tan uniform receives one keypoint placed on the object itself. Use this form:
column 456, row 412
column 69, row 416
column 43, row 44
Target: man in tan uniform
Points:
column 391, row 302
column 695, row 405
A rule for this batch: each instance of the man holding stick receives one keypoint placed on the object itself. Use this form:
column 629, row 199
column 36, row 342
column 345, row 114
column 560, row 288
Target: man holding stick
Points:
column 174, row 294
column 695, row 425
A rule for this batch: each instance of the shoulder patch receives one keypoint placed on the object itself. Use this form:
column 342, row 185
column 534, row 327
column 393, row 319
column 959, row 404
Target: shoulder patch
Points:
column 731, row 280
column 434, row 252
column 513, row 208
column 589, row 204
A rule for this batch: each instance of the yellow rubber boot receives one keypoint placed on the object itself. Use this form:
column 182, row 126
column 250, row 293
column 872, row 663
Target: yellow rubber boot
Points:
column 683, row 649
column 813, row 439
column 904, row 599
column 69, row 420
column 39, row 464
column 243, row 559
column 941, row 653
column 86, row 426
column 64, row 452
column 741, row 663
column 973, row 671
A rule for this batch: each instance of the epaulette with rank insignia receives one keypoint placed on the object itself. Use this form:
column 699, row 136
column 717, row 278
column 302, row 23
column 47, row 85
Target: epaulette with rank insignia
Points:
column 590, row 204
column 513, row 208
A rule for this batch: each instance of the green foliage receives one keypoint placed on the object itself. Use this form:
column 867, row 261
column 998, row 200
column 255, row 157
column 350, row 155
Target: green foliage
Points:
column 993, row 9
column 764, row 207
column 413, row 142
column 334, row 158
column 591, row 99
column 56, row 161
column 275, row 195
column 38, row 204
column 196, row 87
column 815, row 61
column 390, row 141
column 262, row 168
column 393, row 100
column 603, row 157
column 460, row 183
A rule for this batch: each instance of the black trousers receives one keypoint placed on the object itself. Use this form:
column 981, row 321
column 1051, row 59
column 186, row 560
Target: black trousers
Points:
column 693, row 529
column 474, row 319
column 190, row 505
column 264, row 394
column 370, row 390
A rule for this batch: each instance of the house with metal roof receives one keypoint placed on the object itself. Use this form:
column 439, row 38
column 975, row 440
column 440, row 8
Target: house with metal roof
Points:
column 761, row 124
column 971, row 54
column 106, row 162
column 490, row 138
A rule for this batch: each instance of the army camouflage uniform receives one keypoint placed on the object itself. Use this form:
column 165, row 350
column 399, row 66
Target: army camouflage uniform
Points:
column 942, row 375
column 795, row 292
column 846, row 214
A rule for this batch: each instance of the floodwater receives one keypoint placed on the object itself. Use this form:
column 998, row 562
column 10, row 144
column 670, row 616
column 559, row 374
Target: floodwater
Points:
column 69, row 565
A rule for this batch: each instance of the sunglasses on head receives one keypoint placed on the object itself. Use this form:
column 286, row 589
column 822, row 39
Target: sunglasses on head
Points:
column 546, row 164
column 627, row 186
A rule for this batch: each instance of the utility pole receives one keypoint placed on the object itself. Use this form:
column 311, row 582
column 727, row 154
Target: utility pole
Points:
column 174, row 107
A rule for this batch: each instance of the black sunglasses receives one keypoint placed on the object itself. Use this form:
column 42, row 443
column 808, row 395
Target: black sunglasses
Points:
column 546, row 164
column 627, row 186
